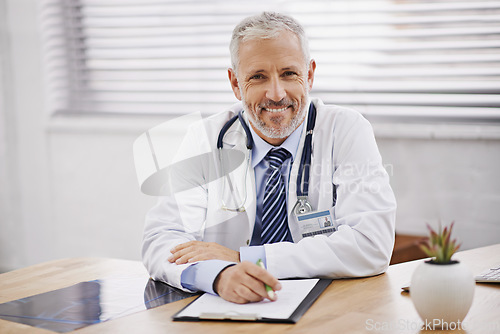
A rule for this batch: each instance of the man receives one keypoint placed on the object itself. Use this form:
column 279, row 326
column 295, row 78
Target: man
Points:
column 191, row 242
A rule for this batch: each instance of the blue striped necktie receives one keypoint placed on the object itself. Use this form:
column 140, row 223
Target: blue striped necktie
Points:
column 274, row 213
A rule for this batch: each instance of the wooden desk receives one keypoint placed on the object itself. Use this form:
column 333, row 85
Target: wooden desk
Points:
column 363, row 305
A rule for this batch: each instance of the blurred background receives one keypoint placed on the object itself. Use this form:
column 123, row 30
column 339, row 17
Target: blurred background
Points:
column 80, row 80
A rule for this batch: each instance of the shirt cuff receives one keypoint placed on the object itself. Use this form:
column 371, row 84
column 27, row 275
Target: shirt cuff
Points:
column 253, row 254
column 201, row 276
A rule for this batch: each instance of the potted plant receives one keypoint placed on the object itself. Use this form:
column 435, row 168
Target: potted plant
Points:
column 442, row 289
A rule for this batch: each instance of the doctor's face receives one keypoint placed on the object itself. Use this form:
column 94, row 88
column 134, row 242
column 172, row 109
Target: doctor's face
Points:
column 273, row 82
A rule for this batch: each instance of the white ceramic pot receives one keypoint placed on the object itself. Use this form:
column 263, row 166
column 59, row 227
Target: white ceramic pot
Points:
column 442, row 293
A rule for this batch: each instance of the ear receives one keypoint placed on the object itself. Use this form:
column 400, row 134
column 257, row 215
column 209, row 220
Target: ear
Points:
column 310, row 73
column 233, row 79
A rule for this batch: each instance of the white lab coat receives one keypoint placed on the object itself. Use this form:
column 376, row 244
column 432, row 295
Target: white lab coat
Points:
column 344, row 154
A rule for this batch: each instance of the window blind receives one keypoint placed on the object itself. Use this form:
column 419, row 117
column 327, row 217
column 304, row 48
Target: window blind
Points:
column 383, row 57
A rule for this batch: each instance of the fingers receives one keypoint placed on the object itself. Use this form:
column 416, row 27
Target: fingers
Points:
column 185, row 245
column 264, row 276
column 185, row 252
column 193, row 251
column 181, row 257
column 245, row 282
column 190, row 257
column 235, row 285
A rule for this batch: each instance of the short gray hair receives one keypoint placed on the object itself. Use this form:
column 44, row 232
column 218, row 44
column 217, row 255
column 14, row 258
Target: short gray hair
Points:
column 267, row 25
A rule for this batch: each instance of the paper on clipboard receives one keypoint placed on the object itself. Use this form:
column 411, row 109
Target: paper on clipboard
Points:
column 293, row 292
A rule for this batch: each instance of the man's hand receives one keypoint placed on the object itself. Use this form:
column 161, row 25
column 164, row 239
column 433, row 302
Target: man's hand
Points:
column 200, row 251
column 244, row 282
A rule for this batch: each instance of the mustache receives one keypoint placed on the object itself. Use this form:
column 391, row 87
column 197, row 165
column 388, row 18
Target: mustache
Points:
column 285, row 102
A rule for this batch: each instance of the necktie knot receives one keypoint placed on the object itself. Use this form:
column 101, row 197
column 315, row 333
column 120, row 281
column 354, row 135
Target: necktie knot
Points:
column 276, row 157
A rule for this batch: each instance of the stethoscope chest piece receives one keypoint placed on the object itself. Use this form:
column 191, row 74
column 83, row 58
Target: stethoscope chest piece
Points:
column 302, row 206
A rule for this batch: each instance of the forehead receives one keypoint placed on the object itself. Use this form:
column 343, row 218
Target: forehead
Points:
column 263, row 54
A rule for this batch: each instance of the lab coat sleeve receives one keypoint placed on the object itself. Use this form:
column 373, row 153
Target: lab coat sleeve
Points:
column 163, row 230
column 178, row 217
column 364, row 215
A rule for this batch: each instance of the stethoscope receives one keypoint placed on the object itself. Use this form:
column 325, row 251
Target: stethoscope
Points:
column 303, row 205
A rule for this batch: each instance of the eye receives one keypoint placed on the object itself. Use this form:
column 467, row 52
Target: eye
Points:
column 257, row 77
column 289, row 73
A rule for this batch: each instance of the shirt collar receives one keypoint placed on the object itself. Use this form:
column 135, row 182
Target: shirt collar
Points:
column 261, row 147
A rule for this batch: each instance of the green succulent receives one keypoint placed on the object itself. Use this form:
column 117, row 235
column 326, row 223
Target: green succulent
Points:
column 439, row 245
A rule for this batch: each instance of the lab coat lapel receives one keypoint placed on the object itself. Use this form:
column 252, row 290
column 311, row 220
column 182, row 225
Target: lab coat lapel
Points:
column 236, row 140
column 292, row 187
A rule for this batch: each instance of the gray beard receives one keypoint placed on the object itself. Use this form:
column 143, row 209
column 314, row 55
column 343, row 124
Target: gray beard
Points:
column 274, row 133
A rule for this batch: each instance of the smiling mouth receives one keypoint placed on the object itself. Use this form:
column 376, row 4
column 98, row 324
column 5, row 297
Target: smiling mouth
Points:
column 276, row 109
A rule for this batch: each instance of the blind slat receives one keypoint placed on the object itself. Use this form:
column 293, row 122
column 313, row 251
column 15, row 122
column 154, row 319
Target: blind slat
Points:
column 164, row 56
column 452, row 87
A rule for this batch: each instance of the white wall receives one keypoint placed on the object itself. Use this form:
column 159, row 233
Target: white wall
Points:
column 444, row 173
column 97, row 206
column 68, row 185
column 25, row 209
column 5, row 192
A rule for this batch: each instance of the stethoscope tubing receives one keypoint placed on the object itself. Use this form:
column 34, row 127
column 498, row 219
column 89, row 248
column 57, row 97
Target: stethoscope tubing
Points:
column 305, row 160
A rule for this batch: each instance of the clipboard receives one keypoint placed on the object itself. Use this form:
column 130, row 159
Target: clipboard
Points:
column 198, row 311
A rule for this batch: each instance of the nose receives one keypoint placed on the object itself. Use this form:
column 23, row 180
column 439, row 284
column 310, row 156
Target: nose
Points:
column 275, row 91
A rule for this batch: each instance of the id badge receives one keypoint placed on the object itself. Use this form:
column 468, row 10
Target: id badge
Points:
column 315, row 223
